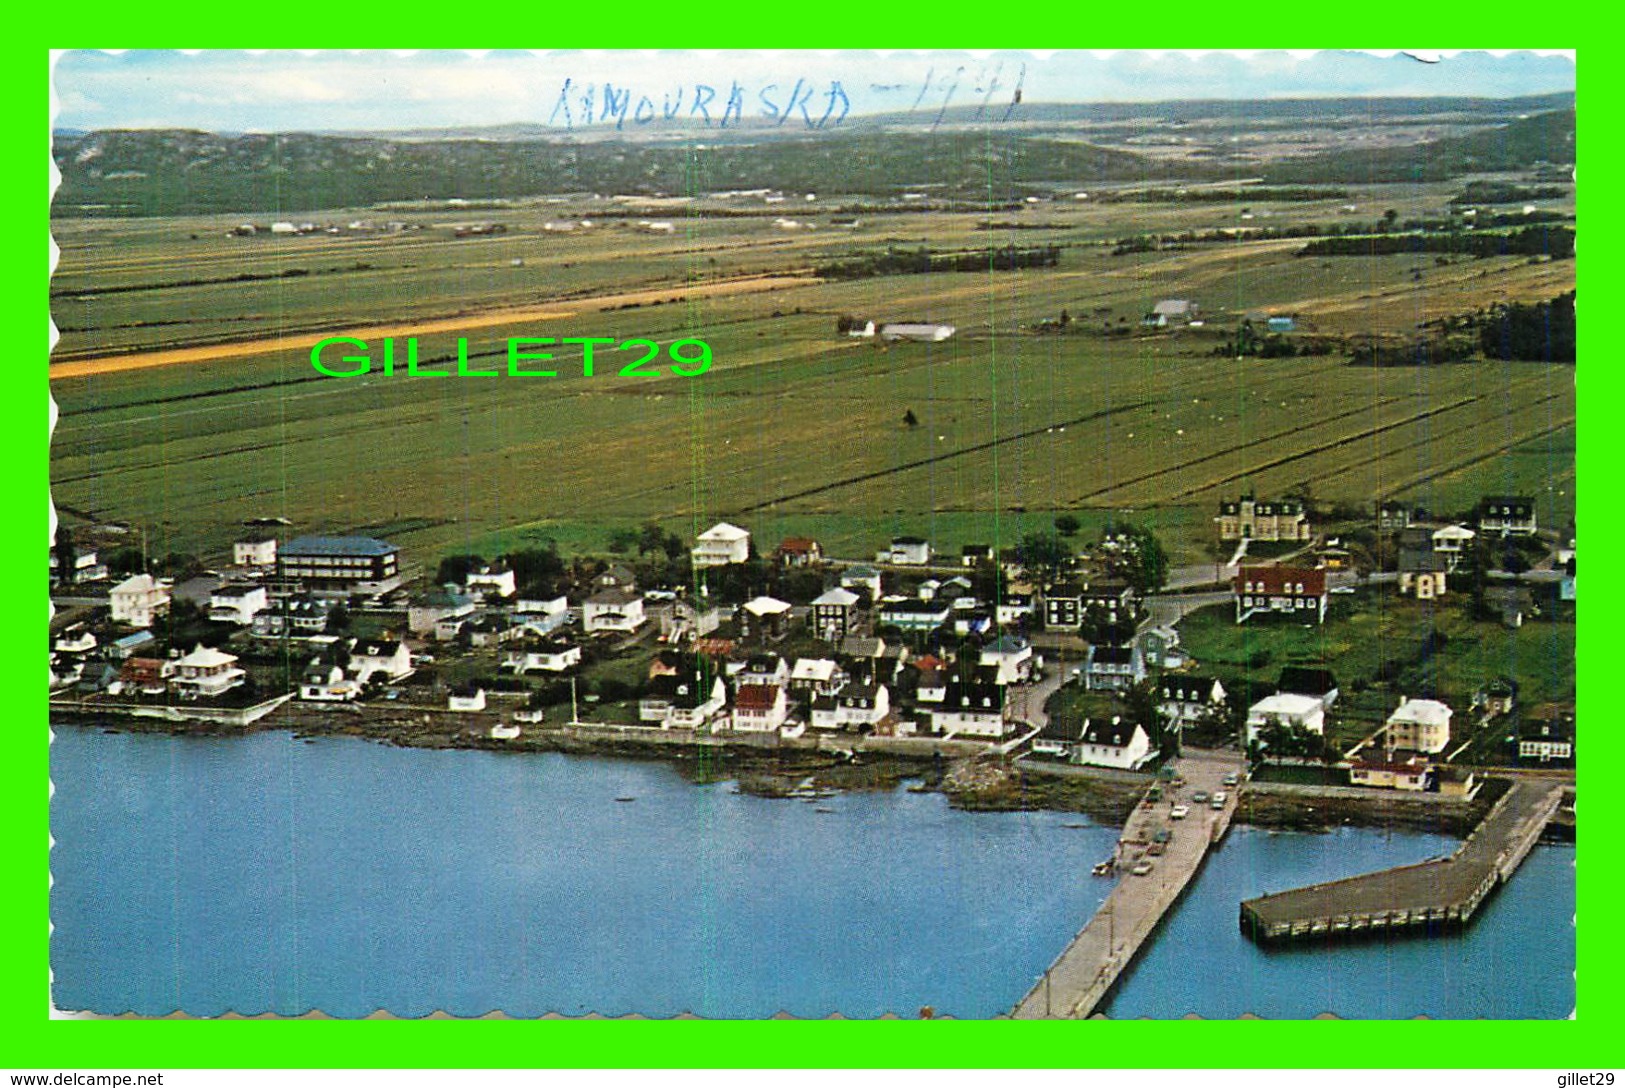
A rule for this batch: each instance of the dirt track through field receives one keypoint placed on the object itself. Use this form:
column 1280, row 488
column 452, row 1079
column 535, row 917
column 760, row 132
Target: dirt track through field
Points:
column 302, row 341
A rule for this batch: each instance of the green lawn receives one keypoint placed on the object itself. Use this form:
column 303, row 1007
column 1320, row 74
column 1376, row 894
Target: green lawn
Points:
column 795, row 430
column 1375, row 642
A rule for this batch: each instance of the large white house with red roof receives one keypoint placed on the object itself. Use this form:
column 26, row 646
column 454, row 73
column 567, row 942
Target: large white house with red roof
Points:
column 1295, row 592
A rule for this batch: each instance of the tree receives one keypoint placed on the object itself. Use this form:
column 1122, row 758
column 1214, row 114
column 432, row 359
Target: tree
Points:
column 1044, row 554
column 65, row 553
column 622, row 541
column 1137, row 556
column 125, row 560
column 454, row 569
column 1066, row 318
column 910, row 419
column 651, row 538
column 1141, row 705
column 534, row 567
column 1067, row 525
column 338, row 620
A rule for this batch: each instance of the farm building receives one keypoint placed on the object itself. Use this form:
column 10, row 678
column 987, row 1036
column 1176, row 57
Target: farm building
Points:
column 925, row 333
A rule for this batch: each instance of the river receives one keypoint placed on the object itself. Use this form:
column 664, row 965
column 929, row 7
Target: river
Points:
column 269, row 874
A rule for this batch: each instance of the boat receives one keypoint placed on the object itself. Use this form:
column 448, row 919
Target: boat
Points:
column 824, row 810
column 1074, row 826
column 625, row 799
column 1103, row 868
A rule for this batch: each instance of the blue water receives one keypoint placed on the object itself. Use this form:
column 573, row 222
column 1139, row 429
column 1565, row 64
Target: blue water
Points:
column 263, row 873
column 1516, row 960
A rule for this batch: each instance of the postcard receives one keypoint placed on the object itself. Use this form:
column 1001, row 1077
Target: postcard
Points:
column 863, row 534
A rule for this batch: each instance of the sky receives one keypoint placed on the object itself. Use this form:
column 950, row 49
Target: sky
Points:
column 236, row 91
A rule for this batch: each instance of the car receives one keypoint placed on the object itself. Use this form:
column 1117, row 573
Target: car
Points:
column 1141, row 868
column 1179, row 812
column 1220, row 797
column 1218, row 805
column 1163, row 835
column 1342, row 589
column 1200, row 797
column 423, row 659
column 1155, row 850
column 1232, row 779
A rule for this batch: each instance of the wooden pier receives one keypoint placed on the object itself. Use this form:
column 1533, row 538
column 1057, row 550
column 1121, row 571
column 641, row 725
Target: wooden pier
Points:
column 1087, row 969
column 1431, row 897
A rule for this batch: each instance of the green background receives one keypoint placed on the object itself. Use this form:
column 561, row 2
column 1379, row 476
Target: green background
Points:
column 31, row 1040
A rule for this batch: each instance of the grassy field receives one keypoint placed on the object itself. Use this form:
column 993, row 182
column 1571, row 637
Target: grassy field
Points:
column 795, row 430
column 1376, row 633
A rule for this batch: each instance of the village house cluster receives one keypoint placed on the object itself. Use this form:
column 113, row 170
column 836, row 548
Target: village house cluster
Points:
column 793, row 645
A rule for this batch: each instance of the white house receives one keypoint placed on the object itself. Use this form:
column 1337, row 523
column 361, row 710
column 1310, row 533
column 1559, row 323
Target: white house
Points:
column 682, row 702
column 139, row 600
column 75, row 640
column 1420, row 724
column 913, row 614
column 1186, row 699
column 854, row 706
column 907, row 551
column 1301, row 711
column 1125, row 746
column 388, row 658
column 237, row 602
column 256, row 551
column 206, row 673
column 327, row 684
column 1012, row 657
column 540, row 617
column 721, row 545
column 425, row 612
column 612, row 610
column 760, row 708
column 815, row 676
column 542, row 657
column 1012, row 609
column 1453, row 539
column 862, row 578
column 764, row 669
column 977, row 710
column 491, row 581
column 505, row 731
column 466, row 699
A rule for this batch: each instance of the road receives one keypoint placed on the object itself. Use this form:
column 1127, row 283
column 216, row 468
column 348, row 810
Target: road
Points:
column 1086, row 970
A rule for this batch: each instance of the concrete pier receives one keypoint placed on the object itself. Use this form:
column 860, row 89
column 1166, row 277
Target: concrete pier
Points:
column 1432, row 896
column 1085, row 971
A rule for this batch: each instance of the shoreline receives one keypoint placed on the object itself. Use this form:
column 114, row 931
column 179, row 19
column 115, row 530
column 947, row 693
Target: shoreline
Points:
column 970, row 775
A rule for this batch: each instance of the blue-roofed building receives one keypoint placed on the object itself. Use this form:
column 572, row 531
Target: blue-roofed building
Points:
column 126, row 647
column 341, row 564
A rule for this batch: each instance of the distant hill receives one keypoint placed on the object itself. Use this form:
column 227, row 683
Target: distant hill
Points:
column 1544, row 137
column 170, row 172
column 1030, row 114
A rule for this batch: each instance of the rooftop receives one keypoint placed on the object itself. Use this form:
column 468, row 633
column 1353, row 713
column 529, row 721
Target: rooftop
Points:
column 337, row 545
